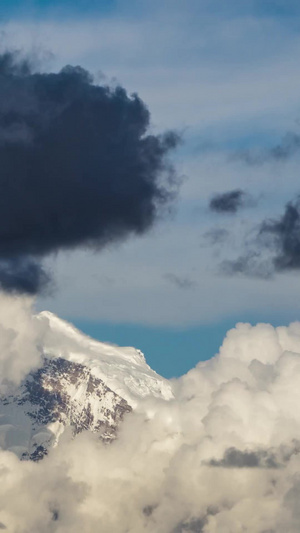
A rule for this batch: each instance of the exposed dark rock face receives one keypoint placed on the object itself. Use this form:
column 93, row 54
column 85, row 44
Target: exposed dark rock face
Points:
column 61, row 393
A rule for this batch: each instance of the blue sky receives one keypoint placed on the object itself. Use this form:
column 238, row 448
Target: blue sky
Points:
column 173, row 351
column 285, row 10
column 227, row 75
column 41, row 8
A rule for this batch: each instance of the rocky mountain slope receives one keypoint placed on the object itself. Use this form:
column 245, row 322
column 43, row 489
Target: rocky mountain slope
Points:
column 82, row 384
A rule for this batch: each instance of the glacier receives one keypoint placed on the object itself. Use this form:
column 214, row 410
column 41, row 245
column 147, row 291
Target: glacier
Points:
column 82, row 384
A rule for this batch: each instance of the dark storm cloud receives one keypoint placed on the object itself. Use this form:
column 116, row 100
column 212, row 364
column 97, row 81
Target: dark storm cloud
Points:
column 228, row 202
column 78, row 167
column 23, row 275
column 287, row 148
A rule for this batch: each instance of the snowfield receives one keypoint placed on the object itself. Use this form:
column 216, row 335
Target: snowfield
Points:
column 82, row 384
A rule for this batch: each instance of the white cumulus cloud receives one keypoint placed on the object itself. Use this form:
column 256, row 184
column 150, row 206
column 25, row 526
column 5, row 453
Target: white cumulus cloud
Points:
column 222, row 456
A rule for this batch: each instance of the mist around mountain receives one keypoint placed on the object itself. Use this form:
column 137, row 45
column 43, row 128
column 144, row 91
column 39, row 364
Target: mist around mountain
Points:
column 92, row 439
column 80, row 383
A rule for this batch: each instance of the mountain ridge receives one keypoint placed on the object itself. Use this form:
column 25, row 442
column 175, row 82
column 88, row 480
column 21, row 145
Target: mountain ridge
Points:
column 81, row 383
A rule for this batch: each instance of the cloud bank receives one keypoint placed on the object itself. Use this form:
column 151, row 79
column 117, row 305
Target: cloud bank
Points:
column 79, row 168
column 223, row 455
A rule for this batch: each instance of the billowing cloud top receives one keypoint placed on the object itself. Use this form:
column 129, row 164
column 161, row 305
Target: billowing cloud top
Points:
column 223, row 454
column 78, row 167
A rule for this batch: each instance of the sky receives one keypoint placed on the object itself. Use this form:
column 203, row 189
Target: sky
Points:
column 217, row 449
column 149, row 194
column 226, row 77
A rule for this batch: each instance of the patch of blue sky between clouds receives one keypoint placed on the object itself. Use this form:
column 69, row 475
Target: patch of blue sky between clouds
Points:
column 40, row 9
column 225, row 73
column 169, row 351
column 174, row 351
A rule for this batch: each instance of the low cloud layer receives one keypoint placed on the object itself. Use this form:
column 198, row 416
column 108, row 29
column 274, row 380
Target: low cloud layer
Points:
column 223, row 455
column 79, row 168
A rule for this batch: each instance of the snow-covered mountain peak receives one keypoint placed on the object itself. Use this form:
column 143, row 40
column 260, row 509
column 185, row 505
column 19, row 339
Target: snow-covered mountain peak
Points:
column 123, row 369
column 81, row 383
column 63, row 328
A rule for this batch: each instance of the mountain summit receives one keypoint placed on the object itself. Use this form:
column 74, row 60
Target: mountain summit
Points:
column 82, row 384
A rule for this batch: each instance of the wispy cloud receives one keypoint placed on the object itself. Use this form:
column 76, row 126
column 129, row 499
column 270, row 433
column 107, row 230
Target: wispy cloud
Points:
column 180, row 282
column 230, row 202
column 287, row 148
